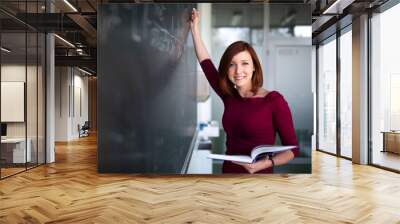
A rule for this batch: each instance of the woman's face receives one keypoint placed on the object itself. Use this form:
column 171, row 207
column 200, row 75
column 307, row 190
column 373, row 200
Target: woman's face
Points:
column 241, row 70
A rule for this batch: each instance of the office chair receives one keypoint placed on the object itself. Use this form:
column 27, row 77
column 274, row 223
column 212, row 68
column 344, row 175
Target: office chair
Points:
column 84, row 130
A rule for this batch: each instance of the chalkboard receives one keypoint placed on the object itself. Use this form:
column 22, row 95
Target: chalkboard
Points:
column 146, row 87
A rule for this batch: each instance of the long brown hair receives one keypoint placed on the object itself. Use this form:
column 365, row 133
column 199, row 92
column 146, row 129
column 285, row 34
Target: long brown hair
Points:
column 227, row 86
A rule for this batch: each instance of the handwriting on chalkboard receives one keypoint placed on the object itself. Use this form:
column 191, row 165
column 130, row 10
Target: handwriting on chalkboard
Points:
column 164, row 30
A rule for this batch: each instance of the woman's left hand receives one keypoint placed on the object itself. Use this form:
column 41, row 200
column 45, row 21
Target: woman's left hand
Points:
column 194, row 19
column 255, row 167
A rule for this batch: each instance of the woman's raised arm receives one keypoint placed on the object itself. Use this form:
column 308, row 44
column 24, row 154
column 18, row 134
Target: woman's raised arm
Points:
column 200, row 49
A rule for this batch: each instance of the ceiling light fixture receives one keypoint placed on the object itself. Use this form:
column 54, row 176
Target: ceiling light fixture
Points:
column 70, row 5
column 64, row 40
column 333, row 6
column 5, row 50
column 84, row 71
column 337, row 7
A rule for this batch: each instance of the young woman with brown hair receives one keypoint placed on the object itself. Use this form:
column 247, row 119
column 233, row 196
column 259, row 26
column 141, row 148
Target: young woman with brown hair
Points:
column 252, row 115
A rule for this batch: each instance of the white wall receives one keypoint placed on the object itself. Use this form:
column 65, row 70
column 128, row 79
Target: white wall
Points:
column 80, row 103
column 61, row 103
column 71, row 102
column 17, row 73
column 14, row 73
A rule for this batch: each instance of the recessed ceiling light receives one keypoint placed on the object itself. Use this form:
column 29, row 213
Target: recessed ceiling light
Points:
column 5, row 50
column 337, row 7
column 84, row 71
column 70, row 5
column 64, row 40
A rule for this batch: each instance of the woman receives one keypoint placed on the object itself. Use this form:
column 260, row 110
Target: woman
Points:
column 252, row 114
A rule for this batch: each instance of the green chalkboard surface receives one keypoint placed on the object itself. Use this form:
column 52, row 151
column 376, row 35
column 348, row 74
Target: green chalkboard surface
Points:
column 146, row 88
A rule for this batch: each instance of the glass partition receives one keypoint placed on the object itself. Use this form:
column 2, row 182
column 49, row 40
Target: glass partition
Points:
column 31, row 100
column 41, row 91
column 385, row 89
column 346, row 94
column 22, row 88
column 13, row 110
column 327, row 97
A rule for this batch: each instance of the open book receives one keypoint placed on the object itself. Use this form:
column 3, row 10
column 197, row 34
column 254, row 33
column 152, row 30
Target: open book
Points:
column 256, row 153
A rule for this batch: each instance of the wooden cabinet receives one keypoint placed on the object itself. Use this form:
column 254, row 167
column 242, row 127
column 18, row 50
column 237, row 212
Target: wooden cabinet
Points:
column 391, row 141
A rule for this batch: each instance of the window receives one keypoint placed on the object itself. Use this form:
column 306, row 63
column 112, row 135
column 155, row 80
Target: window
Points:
column 327, row 97
column 346, row 94
column 385, row 88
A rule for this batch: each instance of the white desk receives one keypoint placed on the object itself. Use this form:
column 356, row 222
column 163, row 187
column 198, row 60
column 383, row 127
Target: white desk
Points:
column 200, row 163
column 210, row 130
column 18, row 149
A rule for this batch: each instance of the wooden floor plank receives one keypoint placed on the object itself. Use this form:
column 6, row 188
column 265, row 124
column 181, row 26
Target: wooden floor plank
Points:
column 71, row 191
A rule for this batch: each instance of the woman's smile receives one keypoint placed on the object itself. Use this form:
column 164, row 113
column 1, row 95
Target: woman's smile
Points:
column 239, row 77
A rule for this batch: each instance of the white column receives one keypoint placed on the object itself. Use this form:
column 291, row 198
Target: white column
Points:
column 360, row 90
column 50, row 93
column 50, row 99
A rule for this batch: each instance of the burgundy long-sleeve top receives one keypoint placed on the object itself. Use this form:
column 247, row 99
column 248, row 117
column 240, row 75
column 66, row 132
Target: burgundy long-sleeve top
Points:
column 249, row 122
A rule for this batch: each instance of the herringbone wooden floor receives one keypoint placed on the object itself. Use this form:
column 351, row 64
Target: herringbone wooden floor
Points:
column 71, row 191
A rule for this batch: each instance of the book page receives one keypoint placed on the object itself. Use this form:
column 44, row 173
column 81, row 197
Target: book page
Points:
column 269, row 149
column 243, row 159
